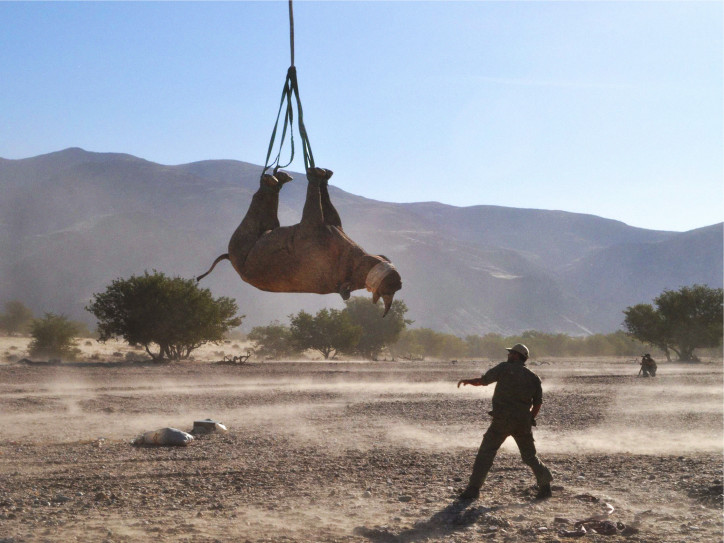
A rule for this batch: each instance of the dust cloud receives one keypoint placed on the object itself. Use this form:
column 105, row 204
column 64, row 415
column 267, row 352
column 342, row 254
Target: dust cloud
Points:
column 679, row 411
column 333, row 451
column 619, row 439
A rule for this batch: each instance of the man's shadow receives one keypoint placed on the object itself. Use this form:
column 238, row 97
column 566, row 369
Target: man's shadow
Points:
column 455, row 517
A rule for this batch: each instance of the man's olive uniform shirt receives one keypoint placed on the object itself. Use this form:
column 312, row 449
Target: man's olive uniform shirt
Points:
column 517, row 389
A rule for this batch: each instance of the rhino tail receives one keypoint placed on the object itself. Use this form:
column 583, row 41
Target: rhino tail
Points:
column 225, row 256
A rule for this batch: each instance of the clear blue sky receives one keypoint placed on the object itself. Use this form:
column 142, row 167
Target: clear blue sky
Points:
column 608, row 108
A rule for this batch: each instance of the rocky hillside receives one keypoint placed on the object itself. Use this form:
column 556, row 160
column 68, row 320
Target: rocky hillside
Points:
column 73, row 220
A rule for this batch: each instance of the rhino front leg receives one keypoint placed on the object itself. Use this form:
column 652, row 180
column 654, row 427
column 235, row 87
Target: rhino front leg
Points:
column 312, row 214
column 331, row 217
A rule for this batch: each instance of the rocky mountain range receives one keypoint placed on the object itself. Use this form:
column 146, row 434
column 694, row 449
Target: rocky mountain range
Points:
column 72, row 221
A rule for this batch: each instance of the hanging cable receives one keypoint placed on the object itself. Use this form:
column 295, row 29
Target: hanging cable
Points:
column 291, row 30
column 290, row 96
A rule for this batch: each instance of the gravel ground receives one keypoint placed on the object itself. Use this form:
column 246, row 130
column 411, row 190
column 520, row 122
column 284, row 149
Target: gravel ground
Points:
column 354, row 452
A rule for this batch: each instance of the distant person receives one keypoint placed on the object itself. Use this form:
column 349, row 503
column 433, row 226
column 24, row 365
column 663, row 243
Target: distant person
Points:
column 648, row 366
column 516, row 401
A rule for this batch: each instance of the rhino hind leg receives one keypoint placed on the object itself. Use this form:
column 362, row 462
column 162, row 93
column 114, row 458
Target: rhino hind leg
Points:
column 265, row 203
column 260, row 218
column 282, row 179
column 331, row 217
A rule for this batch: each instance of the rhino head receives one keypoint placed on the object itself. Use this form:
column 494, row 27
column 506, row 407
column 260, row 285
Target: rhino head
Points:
column 383, row 280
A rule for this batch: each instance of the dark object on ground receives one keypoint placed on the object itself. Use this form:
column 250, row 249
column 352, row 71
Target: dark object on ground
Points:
column 241, row 359
column 208, row 426
column 169, row 437
column 51, row 362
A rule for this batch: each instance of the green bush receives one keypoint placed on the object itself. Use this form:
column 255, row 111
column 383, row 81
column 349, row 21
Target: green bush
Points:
column 172, row 313
column 329, row 332
column 423, row 342
column 377, row 332
column 17, row 318
column 272, row 341
column 680, row 320
column 54, row 337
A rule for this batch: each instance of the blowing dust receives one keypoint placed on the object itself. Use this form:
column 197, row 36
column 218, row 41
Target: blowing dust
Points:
column 650, row 418
column 679, row 411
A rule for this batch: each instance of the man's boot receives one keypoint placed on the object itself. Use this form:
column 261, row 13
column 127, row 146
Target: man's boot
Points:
column 470, row 493
column 544, row 492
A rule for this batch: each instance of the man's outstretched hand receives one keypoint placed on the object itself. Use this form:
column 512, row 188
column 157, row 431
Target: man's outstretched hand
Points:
column 474, row 382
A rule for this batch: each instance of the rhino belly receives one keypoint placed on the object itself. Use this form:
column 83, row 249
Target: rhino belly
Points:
column 285, row 263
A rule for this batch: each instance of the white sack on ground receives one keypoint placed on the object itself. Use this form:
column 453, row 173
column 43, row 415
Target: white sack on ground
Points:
column 164, row 436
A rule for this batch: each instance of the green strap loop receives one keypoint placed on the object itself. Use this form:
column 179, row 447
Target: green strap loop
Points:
column 291, row 88
column 290, row 97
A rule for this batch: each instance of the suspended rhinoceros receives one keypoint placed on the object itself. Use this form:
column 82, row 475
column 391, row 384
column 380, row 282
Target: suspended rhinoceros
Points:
column 313, row 256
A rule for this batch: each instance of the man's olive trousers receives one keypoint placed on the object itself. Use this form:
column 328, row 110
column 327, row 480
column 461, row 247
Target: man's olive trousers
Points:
column 499, row 430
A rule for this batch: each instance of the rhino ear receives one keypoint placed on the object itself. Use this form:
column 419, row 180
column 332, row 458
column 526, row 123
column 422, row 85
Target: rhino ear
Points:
column 375, row 297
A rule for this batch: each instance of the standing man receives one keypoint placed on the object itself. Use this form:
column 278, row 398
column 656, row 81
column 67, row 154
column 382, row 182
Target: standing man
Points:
column 516, row 401
column 648, row 366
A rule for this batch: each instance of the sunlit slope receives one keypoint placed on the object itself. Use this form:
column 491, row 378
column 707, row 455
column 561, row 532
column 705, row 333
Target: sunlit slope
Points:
column 72, row 221
column 624, row 274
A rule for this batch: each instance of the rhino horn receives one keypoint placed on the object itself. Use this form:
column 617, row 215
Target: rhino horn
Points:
column 387, row 298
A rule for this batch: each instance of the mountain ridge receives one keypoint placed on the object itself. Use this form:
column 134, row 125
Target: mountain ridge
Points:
column 74, row 220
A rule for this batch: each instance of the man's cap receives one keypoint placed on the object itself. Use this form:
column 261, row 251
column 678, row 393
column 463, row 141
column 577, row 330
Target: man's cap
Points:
column 520, row 349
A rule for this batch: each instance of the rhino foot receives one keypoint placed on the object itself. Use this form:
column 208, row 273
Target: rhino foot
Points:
column 283, row 177
column 319, row 175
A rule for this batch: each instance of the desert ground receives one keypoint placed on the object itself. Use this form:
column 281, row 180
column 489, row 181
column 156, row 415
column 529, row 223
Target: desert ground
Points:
column 350, row 451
